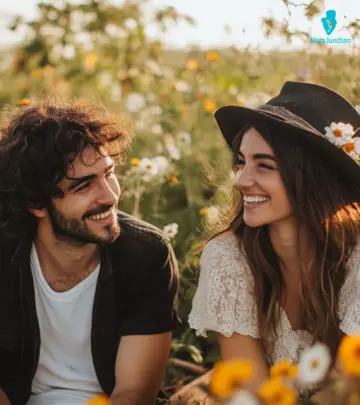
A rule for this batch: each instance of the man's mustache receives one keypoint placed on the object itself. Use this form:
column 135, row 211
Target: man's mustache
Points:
column 96, row 211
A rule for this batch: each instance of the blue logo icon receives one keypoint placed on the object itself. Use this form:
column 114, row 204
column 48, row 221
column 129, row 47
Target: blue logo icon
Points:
column 329, row 21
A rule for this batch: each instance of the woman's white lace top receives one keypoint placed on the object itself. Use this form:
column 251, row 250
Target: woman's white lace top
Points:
column 224, row 301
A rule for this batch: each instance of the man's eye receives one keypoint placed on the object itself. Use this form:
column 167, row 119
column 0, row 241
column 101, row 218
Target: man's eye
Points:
column 83, row 187
column 109, row 174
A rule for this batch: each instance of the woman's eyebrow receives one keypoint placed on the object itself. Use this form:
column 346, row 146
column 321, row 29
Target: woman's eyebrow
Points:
column 260, row 156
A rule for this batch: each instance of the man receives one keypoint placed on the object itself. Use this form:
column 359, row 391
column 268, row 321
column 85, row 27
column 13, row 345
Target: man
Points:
column 87, row 293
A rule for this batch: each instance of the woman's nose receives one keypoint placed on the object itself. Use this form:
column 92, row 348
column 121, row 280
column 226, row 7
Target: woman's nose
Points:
column 243, row 178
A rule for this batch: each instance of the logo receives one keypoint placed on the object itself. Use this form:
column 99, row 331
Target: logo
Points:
column 329, row 21
column 329, row 24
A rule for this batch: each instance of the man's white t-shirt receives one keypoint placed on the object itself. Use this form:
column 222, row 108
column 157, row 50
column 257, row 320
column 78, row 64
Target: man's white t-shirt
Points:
column 65, row 374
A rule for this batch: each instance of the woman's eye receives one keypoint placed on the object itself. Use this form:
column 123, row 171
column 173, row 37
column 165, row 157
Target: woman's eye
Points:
column 267, row 167
column 240, row 162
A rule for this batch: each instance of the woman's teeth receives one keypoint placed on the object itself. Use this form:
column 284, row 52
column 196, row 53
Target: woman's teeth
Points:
column 101, row 216
column 255, row 200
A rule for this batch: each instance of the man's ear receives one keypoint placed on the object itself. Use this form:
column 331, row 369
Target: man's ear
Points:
column 37, row 211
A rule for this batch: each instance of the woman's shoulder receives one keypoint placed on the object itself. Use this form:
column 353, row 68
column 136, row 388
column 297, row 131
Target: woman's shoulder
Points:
column 224, row 245
column 224, row 242
column 223, row 252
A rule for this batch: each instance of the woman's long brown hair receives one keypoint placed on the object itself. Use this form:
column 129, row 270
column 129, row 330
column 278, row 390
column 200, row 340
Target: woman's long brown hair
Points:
column 322, row 203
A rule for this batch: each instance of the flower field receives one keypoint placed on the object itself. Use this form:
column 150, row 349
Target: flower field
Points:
column 178, row 174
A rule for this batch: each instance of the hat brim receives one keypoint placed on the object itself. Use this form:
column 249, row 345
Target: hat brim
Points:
column 232, row 119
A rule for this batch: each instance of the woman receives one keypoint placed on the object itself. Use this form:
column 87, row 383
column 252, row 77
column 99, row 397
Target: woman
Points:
column 284, row 273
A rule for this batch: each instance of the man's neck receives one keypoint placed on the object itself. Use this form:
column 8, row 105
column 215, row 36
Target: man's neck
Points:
column 64, row 265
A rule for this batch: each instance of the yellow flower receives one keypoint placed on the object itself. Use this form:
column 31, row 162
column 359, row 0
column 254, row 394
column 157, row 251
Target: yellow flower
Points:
column 48, row 70
column 349, row 355
column 283, row 369
column 192, row 64
column 174, row 180
column 99, row 400
column 135, row 162
column 273, row 392
column 212, row 56
column 228, row 376
column 204, row 211
column 209, row 105
column 90, row 60
column 24, row 101
column 36, row 73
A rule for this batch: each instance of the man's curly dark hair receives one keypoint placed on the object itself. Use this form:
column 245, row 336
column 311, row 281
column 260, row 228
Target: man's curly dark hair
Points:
column 38, row 145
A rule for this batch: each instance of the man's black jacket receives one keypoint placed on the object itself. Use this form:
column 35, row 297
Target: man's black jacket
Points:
column 136, row 294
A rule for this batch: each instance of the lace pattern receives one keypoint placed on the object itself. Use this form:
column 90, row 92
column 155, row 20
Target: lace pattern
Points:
column 224, row 301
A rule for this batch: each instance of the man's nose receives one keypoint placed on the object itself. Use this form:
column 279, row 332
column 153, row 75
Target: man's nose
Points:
column 109, row 194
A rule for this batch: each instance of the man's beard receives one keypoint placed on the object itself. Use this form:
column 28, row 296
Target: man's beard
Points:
column 77, row 232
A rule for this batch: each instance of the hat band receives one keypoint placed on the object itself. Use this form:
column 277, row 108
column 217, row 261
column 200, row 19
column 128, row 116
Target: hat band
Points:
column 287, row 116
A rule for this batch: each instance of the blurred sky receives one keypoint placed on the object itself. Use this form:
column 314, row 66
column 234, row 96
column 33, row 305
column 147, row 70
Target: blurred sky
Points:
column 242, row 16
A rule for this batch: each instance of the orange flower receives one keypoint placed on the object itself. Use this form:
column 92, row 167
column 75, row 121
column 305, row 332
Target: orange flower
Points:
column 349, row 355
column 227, row 376
column 99, row 400
column 90, row 60
column 192, row 64
column 283, row 369
column 204, row 212
column 273, row 392
column 212, row 56
column 174, row 180
column 135, row 162
column 209, row 105
column 24, row 101
column 349, row 147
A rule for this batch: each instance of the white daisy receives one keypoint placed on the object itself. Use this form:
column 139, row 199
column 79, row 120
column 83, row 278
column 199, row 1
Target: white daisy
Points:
column 339, row 133
column 243, row 397
column 156, row 129
column 183, row 138
column 153, row 67
column 133, row 72
column 135, row 102
column 161, row 163
column 171, row 230
column 314, row 364
column 173, row 151
column 148, row 167
column 130, row 23
column 182, row 86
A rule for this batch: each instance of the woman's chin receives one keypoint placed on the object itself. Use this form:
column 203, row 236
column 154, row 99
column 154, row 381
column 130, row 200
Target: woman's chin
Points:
column 256, row 222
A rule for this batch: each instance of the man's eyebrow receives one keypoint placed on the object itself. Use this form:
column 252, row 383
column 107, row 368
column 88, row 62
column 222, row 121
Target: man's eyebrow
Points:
column 76, row 181
column 259, row 156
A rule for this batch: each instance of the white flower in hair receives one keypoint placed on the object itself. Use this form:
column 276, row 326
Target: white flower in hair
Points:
column 357, row 108
column 342, row 135
column 339, row 133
